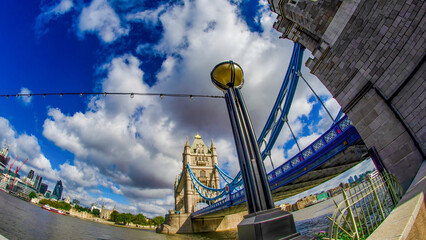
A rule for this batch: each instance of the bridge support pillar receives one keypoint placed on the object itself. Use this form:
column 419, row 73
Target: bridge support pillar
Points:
column 263, row 221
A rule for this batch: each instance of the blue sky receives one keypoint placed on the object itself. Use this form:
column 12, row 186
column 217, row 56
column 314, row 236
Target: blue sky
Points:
column 127, row 152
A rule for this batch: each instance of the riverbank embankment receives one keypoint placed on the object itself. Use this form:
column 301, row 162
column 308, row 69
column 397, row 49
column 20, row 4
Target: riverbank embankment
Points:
column 89, row 217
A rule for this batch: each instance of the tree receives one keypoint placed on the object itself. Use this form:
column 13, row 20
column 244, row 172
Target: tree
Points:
column 96, row 212
column 32, row 195
column 60, row 205
column 158, row 220
column 124, row 218
column 139, row 219
column 114, row 216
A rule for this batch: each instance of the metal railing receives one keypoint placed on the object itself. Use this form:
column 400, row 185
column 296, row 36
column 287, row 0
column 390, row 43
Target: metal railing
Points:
column 364, row 207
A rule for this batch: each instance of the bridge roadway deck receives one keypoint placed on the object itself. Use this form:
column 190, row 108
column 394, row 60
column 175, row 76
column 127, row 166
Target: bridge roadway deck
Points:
column 344, row 153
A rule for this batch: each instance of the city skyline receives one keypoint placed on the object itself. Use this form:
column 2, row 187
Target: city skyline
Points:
column 114, row 148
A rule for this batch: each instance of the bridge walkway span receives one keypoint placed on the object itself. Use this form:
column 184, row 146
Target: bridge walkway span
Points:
column 336, row 151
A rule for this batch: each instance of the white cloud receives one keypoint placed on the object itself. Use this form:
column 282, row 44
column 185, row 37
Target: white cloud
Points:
column 25, row 99
column 149, row 17
column 100, row 18
column 134, row 146
column 23, row 146
column 50, row 12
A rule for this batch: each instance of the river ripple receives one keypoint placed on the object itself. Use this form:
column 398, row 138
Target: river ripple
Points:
column 22, row 220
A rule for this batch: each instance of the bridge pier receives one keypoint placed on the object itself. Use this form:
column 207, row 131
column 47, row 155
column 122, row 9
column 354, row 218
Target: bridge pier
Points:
column 183, row 223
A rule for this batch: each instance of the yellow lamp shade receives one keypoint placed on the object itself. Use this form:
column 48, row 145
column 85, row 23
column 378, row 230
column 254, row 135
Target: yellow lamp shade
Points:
column 227, row 74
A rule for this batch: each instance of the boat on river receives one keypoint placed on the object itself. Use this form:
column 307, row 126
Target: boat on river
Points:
column 52, row 209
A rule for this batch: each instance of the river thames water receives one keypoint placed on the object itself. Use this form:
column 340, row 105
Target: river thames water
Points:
column 22, row 220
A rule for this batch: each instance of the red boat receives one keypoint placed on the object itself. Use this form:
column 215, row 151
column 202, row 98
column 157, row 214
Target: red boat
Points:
column 52, row 209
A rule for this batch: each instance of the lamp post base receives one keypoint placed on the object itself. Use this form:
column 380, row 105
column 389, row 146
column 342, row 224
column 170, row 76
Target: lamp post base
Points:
column 269, row 224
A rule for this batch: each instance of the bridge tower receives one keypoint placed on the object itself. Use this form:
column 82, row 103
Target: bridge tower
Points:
column 202, row 160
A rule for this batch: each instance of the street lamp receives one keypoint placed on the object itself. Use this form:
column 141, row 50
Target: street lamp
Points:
column 263, row 221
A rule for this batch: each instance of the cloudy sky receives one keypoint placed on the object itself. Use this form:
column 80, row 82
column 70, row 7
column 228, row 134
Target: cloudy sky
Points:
column 127, row 151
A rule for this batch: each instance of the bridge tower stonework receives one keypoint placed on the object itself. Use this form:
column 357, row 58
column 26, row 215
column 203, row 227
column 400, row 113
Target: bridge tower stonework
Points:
column 202, row 160
column 370, row 55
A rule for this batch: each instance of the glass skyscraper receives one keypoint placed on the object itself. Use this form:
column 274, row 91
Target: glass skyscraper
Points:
column 43, row 188
column 31, row 174
column 57, row 191
column 37, row 182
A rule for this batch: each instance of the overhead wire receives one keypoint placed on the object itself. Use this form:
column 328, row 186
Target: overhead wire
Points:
column 131, row 94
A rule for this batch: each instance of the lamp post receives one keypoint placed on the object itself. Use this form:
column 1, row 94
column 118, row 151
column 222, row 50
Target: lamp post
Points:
column 263, row 221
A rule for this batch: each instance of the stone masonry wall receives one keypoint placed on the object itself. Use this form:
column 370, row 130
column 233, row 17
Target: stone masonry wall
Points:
column 374, row 67
column 378, row 45
column 306, row 12
column 383, row 45
column 411, row 103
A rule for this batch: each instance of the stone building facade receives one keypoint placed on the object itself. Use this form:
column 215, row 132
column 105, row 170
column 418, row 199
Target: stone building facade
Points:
column 106, row 213
column 202, row 160
column 370, row 56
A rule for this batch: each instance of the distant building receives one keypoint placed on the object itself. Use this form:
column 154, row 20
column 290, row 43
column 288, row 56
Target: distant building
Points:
column 286, row 207
column 48, row 194
column 105, row 213
column 356, row 178
column 351, row 180
column 335, row 191
column 31, row 174
column 321, row 196
column 94, row 206
column 43, row 188
column 76, row 202
column 2, row 167
column 37, row 183
column 57, row 191
column 67, row 200
column 28, row 181
column 306, row 201
column 4, row 159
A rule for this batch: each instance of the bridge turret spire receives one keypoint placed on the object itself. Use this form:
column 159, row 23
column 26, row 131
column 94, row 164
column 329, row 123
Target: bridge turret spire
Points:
column 187, row 142
column 187, row 148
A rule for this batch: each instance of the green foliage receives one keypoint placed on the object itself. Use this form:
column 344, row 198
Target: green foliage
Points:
column 157, row 220
column 342, row 235
column 124, row 218
column 139, row 219
column 81, row 209
column 320, row 235
column 114, row 216
column 96, row 212
column 59, row 205
column 32, row 195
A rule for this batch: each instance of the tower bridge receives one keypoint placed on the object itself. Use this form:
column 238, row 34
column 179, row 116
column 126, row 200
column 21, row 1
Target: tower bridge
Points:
column 370, row 56
column 199, row 160
column 337, row 150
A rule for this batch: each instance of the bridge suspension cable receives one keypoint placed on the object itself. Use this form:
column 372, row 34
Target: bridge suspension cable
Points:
column 273, row 126
column 318, row 98
column 212, row 194
column 223, row 174
column 274, row 123
column 339, row 115
column 294, row 137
